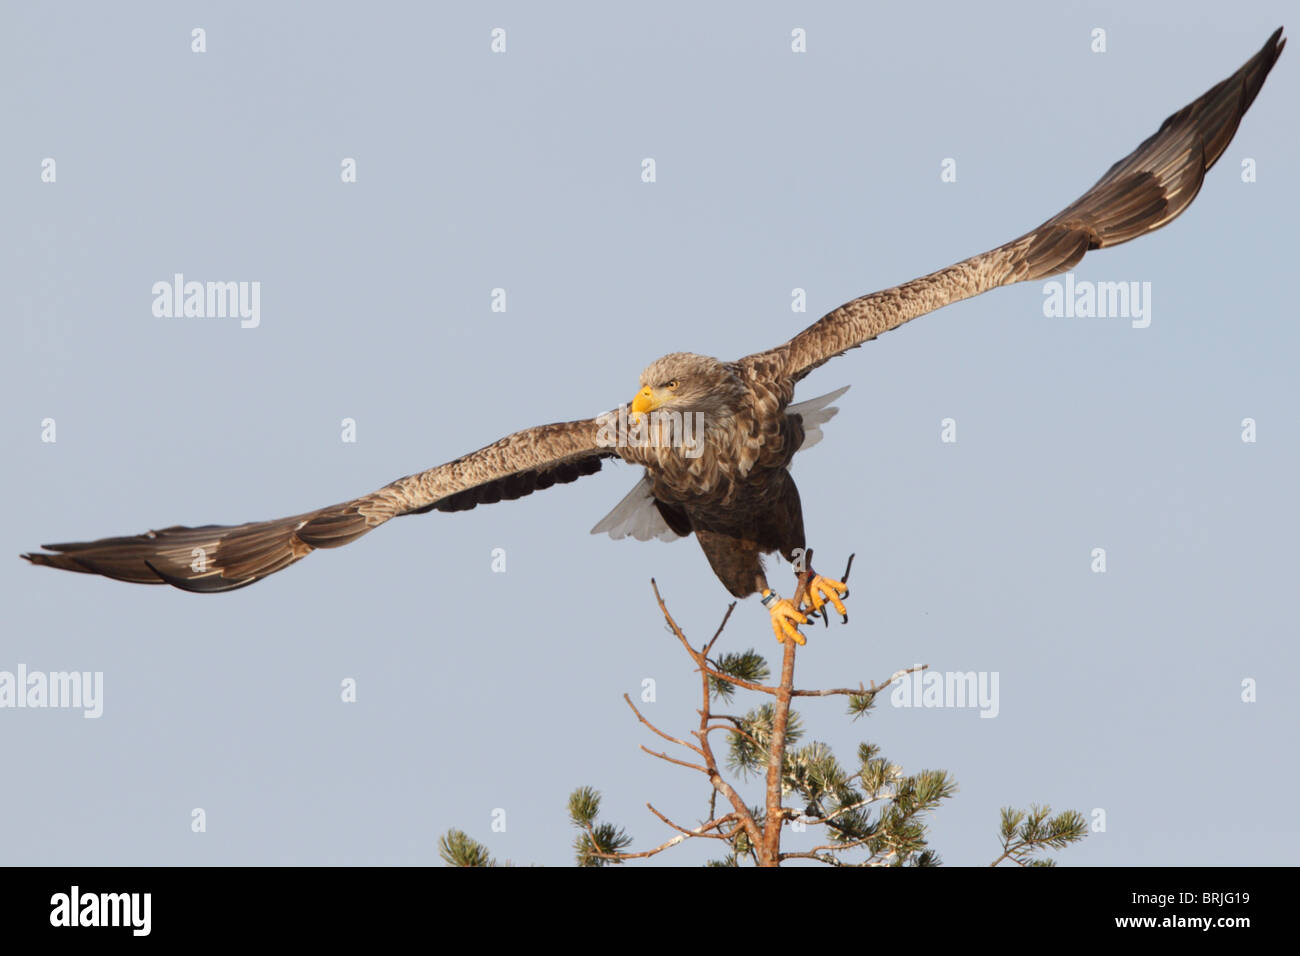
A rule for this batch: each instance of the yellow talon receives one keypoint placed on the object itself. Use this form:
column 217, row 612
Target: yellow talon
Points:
column 820, row 590
column 785, row 618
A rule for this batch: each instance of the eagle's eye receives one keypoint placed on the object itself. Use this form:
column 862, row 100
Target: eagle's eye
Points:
column 672, row 385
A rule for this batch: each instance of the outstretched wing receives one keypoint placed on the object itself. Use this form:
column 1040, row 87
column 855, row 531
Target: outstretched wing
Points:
column 1140, row 193
column 222, row 558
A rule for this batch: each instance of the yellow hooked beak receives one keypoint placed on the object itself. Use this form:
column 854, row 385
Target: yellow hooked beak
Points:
column 645, row 401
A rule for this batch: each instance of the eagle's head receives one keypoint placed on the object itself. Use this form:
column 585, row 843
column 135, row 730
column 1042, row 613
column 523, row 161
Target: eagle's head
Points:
column 685, row 382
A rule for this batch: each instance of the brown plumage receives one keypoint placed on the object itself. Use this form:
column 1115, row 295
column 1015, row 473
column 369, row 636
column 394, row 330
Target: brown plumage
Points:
column 731, row 486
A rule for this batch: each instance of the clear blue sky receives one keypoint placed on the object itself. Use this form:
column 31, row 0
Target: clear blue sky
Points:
column 482, row 690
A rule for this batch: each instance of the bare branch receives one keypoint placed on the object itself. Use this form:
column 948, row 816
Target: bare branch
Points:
column 680, row 763
column 700, row 831
column 830, row 860
column 668, row 737
column 730, row 730
column 861, row 691
column 718, row 633
column 762, row 688
column 711, row 769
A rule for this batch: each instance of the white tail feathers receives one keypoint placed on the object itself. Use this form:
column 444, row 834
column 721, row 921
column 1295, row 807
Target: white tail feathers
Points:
column 637, row 516
column 815, row 413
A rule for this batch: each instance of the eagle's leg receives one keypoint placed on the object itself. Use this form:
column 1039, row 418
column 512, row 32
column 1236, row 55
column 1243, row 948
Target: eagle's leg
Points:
column 786, row 618
column 738, row 562
column 819, row 591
